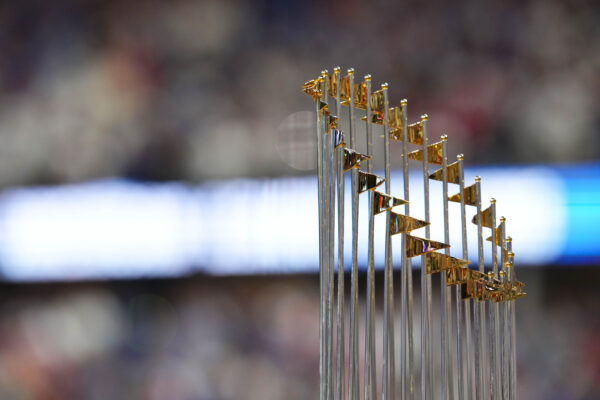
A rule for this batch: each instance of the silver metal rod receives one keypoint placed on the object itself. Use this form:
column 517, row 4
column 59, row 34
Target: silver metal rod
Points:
column 492, row 315
column 427, row 377
column 330, row 273
column 341, row 327
column 513, row 328
column 407, row 340
column 330, row 168
column 447, row 390
column 370, row 383
column 466, row 389
column 497, row 350
column 495, row 315
column 321, row 200
column 340, row 350
column 388, row 341
column 505, row 338
column 482, row 390
column 353, row 393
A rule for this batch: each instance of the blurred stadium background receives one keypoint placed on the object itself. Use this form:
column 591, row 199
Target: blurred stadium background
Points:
column 178, row 111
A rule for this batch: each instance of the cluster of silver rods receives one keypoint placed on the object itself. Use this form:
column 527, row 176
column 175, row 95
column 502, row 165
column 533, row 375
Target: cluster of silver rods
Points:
column 477, row 362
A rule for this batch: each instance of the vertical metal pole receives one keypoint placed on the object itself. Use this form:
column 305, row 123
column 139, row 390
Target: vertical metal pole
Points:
column 495, row 331
column 503, row 329
column 466, row 389
column 426, row 332
column 513, row 328
column 388, row 324
column 407, row 340
column 353, row 360
column 482, row 391
column 330, row 204
column 370, row 384
column 340, row 350
column 447, row 388
column 504, row 315
column 503, row 344
column 321, row 256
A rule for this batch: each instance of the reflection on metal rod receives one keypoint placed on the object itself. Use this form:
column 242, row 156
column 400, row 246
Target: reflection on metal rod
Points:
column 426, row 301
column 341, row 327
column 353, row 360
column 370, row 383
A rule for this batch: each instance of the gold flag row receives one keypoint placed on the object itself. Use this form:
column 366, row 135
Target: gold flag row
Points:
column 329, row 84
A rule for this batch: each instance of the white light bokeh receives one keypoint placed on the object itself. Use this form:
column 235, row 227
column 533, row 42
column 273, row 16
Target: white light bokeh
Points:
column 118, row 229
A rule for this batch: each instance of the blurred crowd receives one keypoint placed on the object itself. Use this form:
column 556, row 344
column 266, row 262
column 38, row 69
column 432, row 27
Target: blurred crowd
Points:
column 196, row 90
column 247, row 338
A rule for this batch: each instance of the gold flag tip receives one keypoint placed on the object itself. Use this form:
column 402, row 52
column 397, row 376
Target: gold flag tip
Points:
column 403, row 102
column 384, row 85
column 502, row 219
column 424, row 117
column 350, row 71
column 444, row 138
column 460, row 157
column 477, row 178
column 493, row 200
column 368, row 77
column 337, row 69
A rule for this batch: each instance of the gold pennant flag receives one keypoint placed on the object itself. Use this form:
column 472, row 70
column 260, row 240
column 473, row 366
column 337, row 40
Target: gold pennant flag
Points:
column 518, row 285
column 493, row 289
column 360, row 95
column 323, row 108
column 511, row 292
column 395, row 120
column 486, row 218
column 414, row 134
column 314, row 88
column 473, row 286
column 333, row 82
column 503, row 293
column 367, row 181
column 516, row 292
column 438, row 262
column 383, row 202
column 378, row 101
column 353, row 159
column 470, row 193
column 345, row 90
column 472, row 289
column 458, row 276
column 376, row 118
column 452, row 173
column 499, row 233
column 434, row 154
column 416, row 246
column 331, row 121
column 403, row 223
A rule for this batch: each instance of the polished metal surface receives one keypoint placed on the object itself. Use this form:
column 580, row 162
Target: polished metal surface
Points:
column 476, row 344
